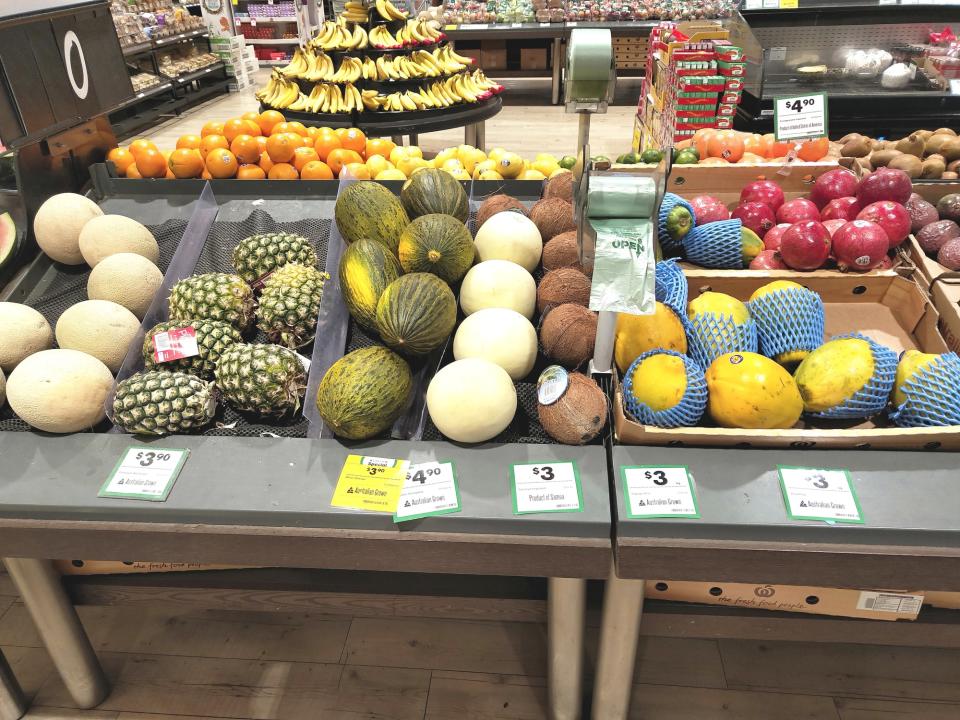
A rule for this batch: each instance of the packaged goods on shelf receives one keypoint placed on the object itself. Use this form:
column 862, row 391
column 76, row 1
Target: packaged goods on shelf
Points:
column 277, row 9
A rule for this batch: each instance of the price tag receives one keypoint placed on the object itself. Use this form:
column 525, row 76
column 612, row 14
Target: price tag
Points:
column 752, row 4
column 818, row 494
column 545, row 488
column 144, row 473
column 545, row 24
column 253, row 22
column 516, row 25
column 140, row 95
column 175, row 344
column 430, row 489
column 955, row 86
column 571, row 24
column 449, row 27
column 800, row 117
column 777, row 53
column 771, row 4
column 370, row 483
column 789, row 4
column 659, row 491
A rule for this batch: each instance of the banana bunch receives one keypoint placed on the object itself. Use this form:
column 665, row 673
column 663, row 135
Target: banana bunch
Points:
column 329, row 98
column 418, row 32
column 280, row 92
column 450, row 61
column 461, row 88
column 355, row 11
column 298, row 65
column 351, row 70
column 388, row 11
column 335, row 36
column 381, row 37
column 319, row 66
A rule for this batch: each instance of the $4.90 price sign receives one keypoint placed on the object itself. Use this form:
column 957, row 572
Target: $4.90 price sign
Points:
column 800, row 117
column 430, row 489
column 545, row 487
column 818, row 494
column 659, row 491
column 144, row 473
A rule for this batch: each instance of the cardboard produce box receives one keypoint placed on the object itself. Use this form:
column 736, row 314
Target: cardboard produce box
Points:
column 533, row 58
column 931, row 191
column 493, row 54
column 112, row 567
column 892, row 310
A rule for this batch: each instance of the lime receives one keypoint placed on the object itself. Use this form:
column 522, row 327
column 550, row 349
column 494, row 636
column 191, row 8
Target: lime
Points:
column 567, row 162
column 685, row 157
column 651, row 156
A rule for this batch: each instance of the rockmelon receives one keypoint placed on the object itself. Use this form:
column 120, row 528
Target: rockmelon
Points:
column 127, row 279
column 366, row 268
column 99, row 328
column 110, row 234
column 58, row 223
column 367, row 210
column 434, row 191
column 24, row 331
column 416, row 313
column 471, row 400
column 502, row 336
column 3, row 388
column 438, row 244
column 510, row 236
column 498, row 284
column 60, row 391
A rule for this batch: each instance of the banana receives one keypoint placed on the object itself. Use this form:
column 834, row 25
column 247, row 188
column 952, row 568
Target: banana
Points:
column 417, row 99
column 407, row 102
column 416, row 31
column 327, row 97
column 300, row 105
column 382, row 10
column 364, row 38
column 347, row 98
column 336, row 104
column 401, row 67
column 458, row 58
column 394, row 14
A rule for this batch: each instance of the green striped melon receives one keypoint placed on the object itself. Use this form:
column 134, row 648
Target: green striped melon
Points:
column 416, row 313
column 367, row 210
column 430, row 191
column 364, row 392
column 366, row 268
column 438, row 244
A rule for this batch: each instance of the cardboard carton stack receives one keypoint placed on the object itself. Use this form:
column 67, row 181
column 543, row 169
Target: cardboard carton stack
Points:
column 239, row 58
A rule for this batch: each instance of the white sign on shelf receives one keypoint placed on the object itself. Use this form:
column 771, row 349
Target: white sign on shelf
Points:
column 545, row 487
column 819, row 494
column 145, row 473
column 661, row 491
column 800, row 117
column 430, row 489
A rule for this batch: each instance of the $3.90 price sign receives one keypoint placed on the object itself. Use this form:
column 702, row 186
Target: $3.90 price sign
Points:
column 370, row 483
column 819, row 494
column 545, row 487
column 800, row 117
column 144, row 473
column 660, row 491
column 429, row 489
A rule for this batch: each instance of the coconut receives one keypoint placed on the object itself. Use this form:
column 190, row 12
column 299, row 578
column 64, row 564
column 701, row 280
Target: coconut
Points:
column 568, row 335
column 498, row 203
column 560, row 186
column 565, row 285
column 58, row 223
column 562, row 251
column 111, row 234
column 553, row 216
column 99, row 328
column 580, row 413
column 23, row 331
column 127, row 279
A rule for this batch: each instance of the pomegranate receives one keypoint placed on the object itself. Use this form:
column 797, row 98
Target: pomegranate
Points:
column 755, row 215
column 708, row 209
column 845, row 208
column 771, row 241
column 885, row 184
column 860, row 245
column 805, row 245
column 831, row 185
column 763, row 191
column 798, row 210
column 891, row 216
column 833, row 225
column 768, row 260
column 886, row 263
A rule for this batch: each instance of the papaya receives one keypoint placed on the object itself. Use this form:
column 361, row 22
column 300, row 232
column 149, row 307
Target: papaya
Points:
column 748, row 390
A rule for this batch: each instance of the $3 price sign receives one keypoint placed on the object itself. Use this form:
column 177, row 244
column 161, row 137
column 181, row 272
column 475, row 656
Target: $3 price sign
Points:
column 545, row 487
column 657, row 492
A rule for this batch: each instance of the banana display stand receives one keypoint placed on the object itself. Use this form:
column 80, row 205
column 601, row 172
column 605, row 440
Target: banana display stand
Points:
column 376, row 69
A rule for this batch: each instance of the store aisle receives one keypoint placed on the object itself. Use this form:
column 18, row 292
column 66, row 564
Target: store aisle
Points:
column 199, row 664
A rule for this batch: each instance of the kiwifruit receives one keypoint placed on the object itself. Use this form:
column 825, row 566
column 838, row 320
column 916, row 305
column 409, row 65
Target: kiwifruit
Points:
column 932, row 168
column 923, row 134
column 859, row 147
column 953, row 166
column 880, row 158
column 935, row 142
column 945, row 131
column 951, row 149
column 910, row 164
column 949, row 176
column 911, row 145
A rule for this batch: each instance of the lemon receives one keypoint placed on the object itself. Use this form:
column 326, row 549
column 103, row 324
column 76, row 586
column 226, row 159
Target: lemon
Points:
column 489, row 175
column 558, row 171
column 548, row 157
column 635, row 334
column 415, row 151
column 484, row 166
column 718, row 304
column 390, row 174
column 510, row 165
column 496, row 154
column 911, row 362
column 399, row 153
column 531, row 175
column 409, row 165
column 748, row 390
column 444, row 155
column 376, row 164
column 833, row 373
column 546, row 167
column 459, row 173
column 451, row 164
column 660, row 381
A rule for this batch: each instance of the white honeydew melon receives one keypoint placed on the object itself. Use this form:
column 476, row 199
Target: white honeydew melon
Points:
column 58, row 223
column 127, row 279
column 471, row 400
column 510, row 236
column 23, row 331
column 111, row 234
column 502, row 336
column 59, row 391
column 498, row 284
column 99, row 328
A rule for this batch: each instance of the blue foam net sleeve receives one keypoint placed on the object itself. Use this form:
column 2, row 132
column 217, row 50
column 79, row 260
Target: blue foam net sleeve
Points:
column 669, row 245
column 670, row 286
column 710, row 335
column 933, row 395
column 788, row 320
column 715, row 245
column 685, row 413
column 875, row 394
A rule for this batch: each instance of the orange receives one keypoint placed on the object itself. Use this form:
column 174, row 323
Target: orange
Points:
column 280, row 127
column 190, row 142
column 252, row 127
column 234, row 127
column 357, row 170
column 316, row 170
column 185, row 163
column 813, row 150
column 251, row 172
column 169, row 175
column 312, row 132
column 265, row 162
column 280, row 147
column 261, row 143
column 354, row 139
column 137, row 146
column 303, row 155
column 755, row 144
column 166, row 154
column 700, row 138
column 151, row 163
column 122, row 158
column 221, row 163
column 246, row 149
column 211, row 128
column 283, row 171
column 340, row 157
column 298, row 127
column 132, row 171
column 778, row 149
column 267, row 119
column 379, row 146
column 726, row 144
column 299, row 140
column 212, row 142
column 251, row 115
column 205, row 175
column 325, row 144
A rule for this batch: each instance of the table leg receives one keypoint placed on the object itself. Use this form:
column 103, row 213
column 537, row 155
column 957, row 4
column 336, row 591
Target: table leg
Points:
column 557, row 60
column 414, row 139
column 566, row 617
column 60, row 629
column 12, row 703
column 619, row 631
column 480, row 135
column 469, row 135
column 397, row 140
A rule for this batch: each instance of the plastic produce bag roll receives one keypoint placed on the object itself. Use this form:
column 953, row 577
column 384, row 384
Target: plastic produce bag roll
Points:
column 623, row 266
column 589, row 61
column 621, row 196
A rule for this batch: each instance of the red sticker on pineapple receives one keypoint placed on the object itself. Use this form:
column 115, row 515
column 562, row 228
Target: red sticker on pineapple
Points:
column 175, row 344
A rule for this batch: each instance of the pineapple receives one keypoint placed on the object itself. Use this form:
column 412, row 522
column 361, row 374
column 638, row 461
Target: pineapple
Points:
column 289, row 304
column 213, row 337
column 161, row 402
column 261, row 379
column 259, row 255
column 213, row 296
